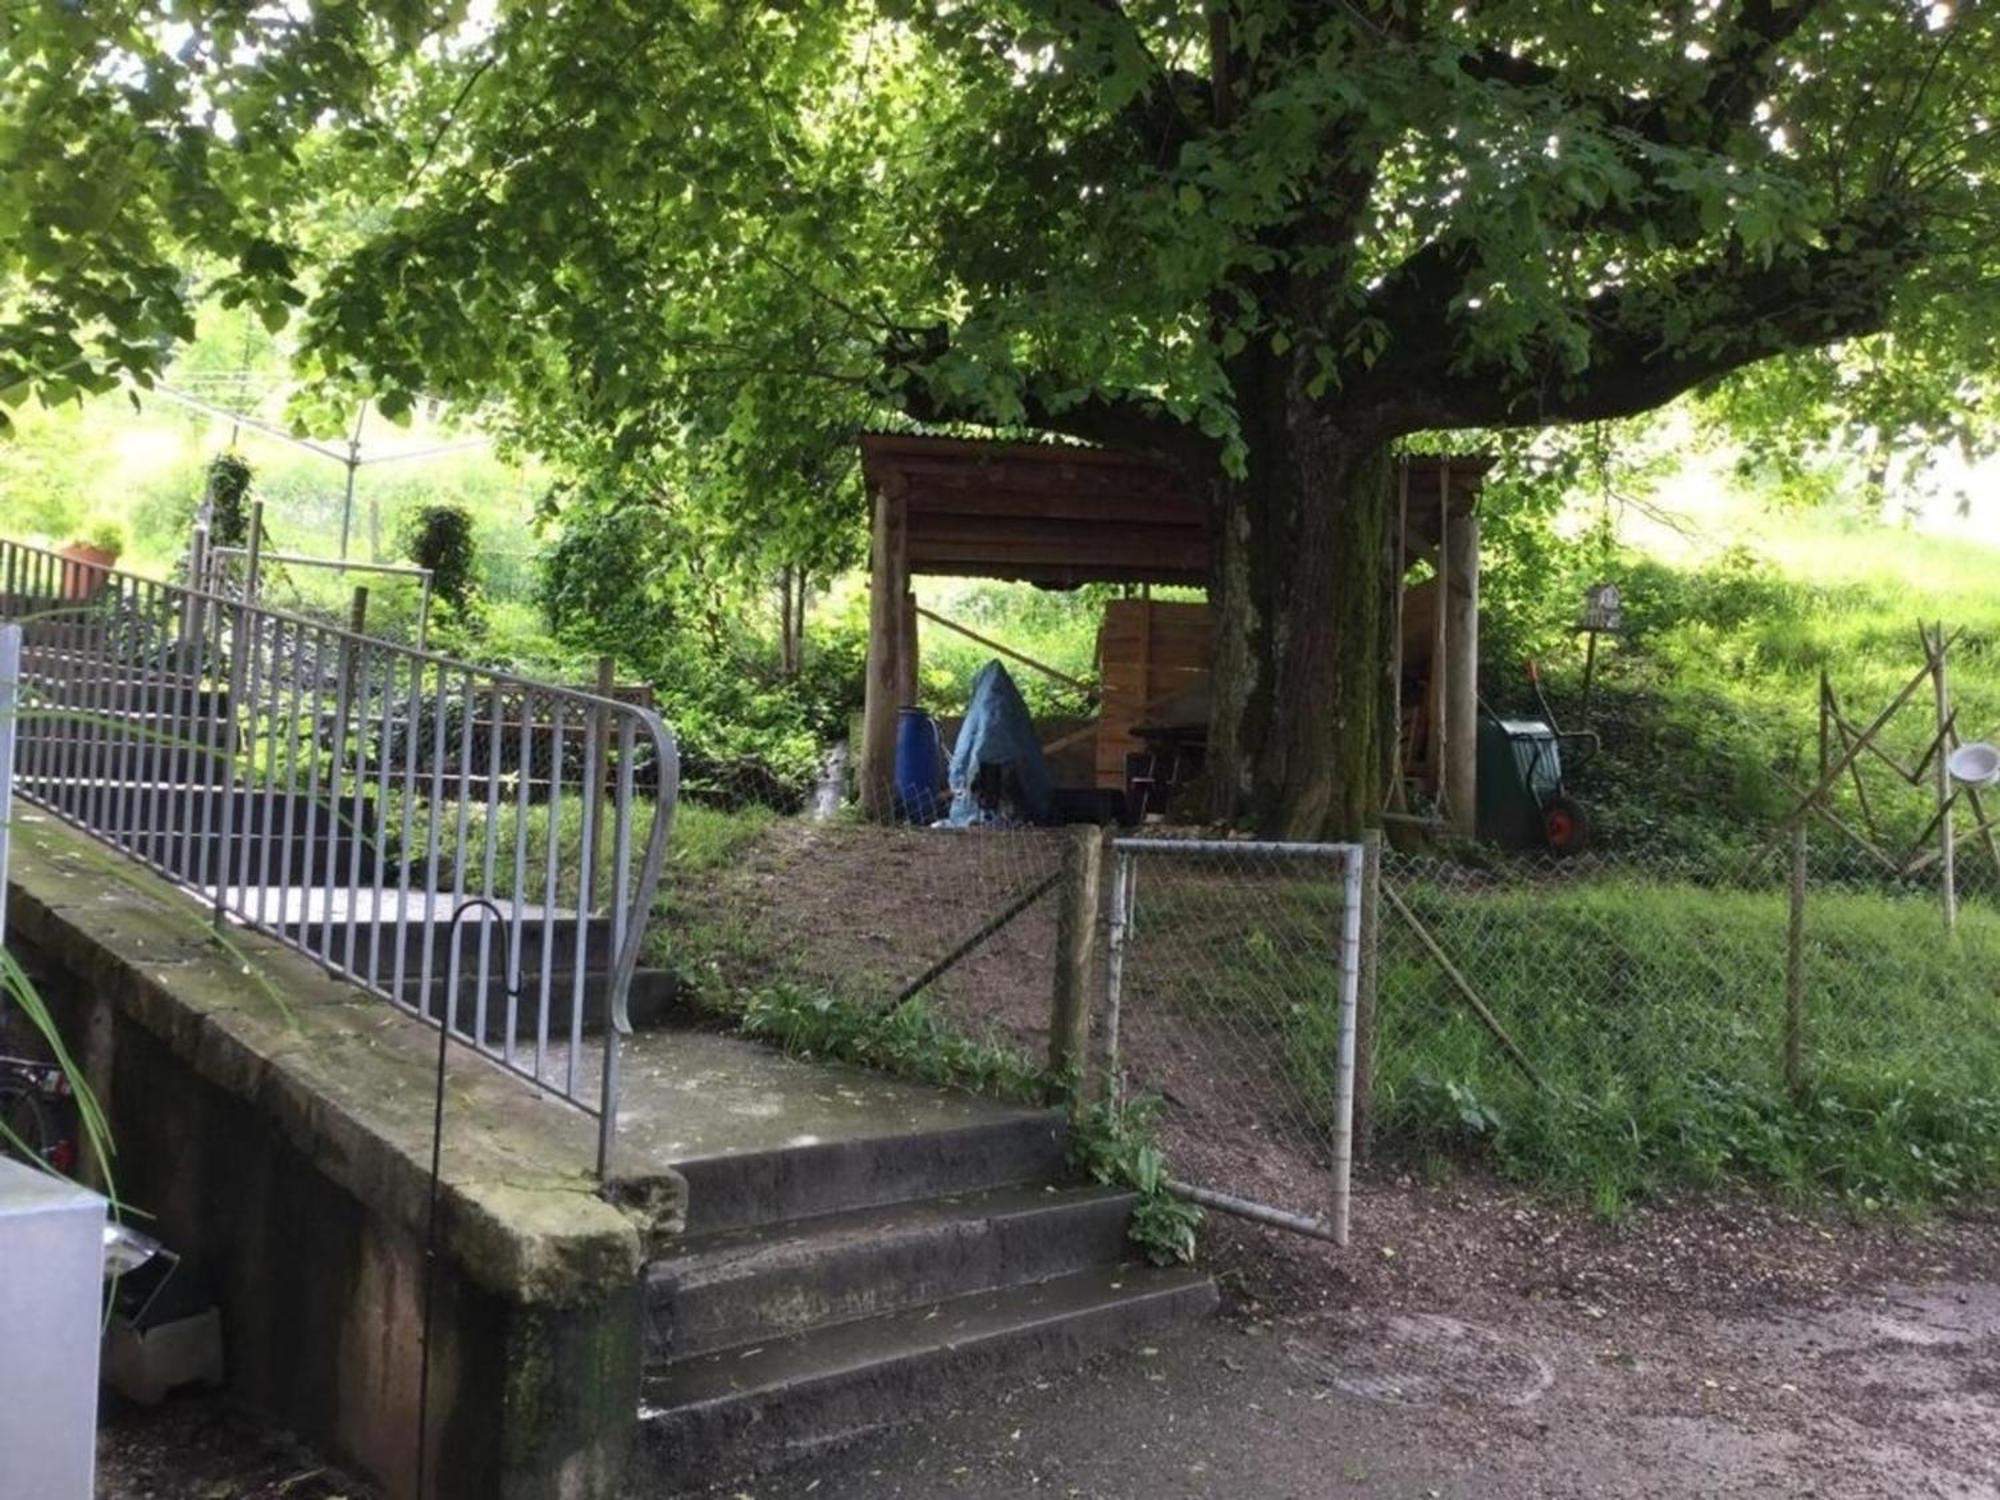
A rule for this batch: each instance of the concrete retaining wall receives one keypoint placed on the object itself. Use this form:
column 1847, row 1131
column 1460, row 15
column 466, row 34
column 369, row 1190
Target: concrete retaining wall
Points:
column 277, row 1124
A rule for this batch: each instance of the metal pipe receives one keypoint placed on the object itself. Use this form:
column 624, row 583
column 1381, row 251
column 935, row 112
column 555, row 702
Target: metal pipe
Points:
column 1114, row 978
column 1245, row 1208
column 1343, row 1087
column 1254, row 848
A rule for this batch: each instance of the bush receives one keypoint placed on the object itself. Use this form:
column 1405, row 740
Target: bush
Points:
column 439, row 537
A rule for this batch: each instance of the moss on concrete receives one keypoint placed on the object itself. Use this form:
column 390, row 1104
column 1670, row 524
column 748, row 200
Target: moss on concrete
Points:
column 347, row 1079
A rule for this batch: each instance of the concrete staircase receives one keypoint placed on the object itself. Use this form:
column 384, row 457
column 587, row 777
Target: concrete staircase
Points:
column 854, row 1278
column 857, row 1250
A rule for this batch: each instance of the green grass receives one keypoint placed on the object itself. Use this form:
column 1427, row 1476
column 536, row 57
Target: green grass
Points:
column 1654, row 1013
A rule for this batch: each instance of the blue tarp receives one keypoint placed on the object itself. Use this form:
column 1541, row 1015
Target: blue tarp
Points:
column 997, row 771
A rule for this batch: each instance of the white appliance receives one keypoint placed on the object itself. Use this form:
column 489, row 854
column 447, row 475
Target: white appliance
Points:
column 51, row 1311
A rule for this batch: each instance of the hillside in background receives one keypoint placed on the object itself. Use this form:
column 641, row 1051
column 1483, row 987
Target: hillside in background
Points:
column 1735, row 601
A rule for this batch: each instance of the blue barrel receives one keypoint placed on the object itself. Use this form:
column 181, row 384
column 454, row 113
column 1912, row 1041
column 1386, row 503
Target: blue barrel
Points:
column 918, row 783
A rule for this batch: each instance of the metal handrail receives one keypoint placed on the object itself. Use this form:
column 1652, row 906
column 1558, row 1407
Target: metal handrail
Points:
column 324, row 786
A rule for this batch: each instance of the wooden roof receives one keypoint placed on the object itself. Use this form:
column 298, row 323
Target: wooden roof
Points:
column 1059, row 515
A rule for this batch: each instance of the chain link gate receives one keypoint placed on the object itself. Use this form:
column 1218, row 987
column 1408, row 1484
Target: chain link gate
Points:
column 1233, row 983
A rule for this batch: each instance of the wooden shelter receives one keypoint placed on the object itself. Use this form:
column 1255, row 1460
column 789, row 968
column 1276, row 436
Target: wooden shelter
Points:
column 1059, row 515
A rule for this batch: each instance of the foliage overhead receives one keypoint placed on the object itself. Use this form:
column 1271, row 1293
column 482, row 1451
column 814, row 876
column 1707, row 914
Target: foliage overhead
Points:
column 662, row 229
column 689, row 247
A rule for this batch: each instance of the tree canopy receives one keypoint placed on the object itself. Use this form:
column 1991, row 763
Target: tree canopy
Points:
column 690, row 247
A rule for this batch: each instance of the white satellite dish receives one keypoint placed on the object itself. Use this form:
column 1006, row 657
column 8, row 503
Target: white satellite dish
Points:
column 1974, row 765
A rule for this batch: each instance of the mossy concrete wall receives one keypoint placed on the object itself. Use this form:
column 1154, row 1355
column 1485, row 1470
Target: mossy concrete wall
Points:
column 276, row 1122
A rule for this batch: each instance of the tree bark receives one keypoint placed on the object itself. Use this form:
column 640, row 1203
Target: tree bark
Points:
column 1298, row 739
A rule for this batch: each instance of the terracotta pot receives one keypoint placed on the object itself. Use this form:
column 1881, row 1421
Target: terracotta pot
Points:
column 84, row 567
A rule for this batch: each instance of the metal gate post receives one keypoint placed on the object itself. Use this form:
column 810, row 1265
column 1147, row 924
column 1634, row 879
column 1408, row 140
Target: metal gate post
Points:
column 1350, row 987
column 1114, row 982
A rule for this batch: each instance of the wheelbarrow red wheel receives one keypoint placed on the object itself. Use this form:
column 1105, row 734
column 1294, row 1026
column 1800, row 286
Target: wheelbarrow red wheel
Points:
column 1565, row 825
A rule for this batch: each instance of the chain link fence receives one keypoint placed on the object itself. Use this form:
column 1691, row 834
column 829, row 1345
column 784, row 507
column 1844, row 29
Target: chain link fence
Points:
column 1233, row 976
column 1617, row 1025
column 1606, row 1026
column 962, row 920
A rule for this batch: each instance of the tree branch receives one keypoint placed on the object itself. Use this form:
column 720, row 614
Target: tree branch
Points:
column 1157, row 116
column 1739, row 313
column 1733, row 79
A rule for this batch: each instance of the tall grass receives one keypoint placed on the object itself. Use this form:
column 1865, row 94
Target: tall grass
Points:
column 1653, row 1011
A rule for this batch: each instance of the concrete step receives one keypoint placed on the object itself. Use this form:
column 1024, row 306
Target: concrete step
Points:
column 560, row 941
column 258, row 860
column 70, row 752
column 812, row 1178
column 651, row 998
column 761, row 1405
column 66, row 680
column 149, row 806
column 753, row 1285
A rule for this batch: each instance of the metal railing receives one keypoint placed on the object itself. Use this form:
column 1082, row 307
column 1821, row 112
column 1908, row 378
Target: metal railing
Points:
column 227, row 572
column 348, row 797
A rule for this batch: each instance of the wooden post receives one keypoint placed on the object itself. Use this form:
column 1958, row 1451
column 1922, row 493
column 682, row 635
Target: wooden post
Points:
column 1077, row 965
column 906, row 650
column 1795, row 969
column 1392, row 795
column 350, row 653
column 1441, row 644
column 887, row 584
column 1460, row 602
column 1947, row 847
column 1371, row 974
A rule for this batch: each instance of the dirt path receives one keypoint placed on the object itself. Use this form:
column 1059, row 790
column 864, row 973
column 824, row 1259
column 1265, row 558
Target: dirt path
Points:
column 1474, row 1342
column 1893, row 1394
column 1484, row 1344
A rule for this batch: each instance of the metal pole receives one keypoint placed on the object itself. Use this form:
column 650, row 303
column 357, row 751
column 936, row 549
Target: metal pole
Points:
column 1948, row 853
column 1589, row 672
column 353, row 467
column 1350, row 990
column 239, row 661
column 1795, row 968
column 192, row 624
column 1371, row 975
column 1114, row 982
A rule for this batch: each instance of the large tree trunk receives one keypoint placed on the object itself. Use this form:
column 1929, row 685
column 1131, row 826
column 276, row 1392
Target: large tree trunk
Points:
column 1298, row 739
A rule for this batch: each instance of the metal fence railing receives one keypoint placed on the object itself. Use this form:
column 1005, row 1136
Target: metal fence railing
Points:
column 1233, row 971
column 319, row 588
column 479, row 849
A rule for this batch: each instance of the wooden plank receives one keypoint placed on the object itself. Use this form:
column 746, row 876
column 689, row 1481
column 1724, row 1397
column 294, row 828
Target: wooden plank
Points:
column 1008, row 651
column 1066, row 575
column 886, row 587
column 1055, row 503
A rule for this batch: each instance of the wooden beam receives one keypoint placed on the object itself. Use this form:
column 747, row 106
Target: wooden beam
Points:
column 1461, row 611
column 906, row 648
column 887, row 584
column 1077, row 964
column 1008, row 651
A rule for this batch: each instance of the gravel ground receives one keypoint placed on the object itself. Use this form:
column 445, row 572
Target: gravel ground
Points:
column 198, row 1447
column 1474, row 1342
column 1482, row 1344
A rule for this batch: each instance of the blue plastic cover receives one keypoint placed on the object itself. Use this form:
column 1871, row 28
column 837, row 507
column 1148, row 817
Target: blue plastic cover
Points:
column 998, row 774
